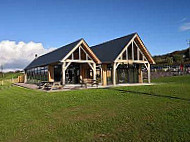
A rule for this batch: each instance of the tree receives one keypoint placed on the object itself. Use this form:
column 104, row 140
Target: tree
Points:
column 178, row 59
column 169, row 60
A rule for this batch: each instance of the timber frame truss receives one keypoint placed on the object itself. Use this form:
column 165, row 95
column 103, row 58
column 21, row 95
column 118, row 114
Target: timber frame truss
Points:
column 80, row 54
column 132, row 53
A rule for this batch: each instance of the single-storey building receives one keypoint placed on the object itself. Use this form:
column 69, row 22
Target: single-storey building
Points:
column 113, row 62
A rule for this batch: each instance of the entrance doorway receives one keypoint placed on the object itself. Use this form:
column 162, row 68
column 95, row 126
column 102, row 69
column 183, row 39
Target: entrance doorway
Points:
column 127, row 74
column 72, row 74
column 57, row 73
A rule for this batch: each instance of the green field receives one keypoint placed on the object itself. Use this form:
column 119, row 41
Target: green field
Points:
column 145, row 113
column 9, row 75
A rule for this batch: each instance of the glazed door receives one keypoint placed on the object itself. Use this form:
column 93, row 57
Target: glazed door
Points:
column 72, row 75
column 57, row 73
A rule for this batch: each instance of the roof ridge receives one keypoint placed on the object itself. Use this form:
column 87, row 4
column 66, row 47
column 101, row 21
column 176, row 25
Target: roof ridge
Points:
column 114, row 39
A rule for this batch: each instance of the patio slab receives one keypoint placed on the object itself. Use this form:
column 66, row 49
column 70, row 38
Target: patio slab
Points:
column 78, row 86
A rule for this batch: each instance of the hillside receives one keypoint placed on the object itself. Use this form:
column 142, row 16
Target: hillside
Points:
column 173, row 58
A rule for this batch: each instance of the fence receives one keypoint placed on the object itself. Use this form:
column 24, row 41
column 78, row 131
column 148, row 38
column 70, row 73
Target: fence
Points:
column 8, row 81
column 20, row 79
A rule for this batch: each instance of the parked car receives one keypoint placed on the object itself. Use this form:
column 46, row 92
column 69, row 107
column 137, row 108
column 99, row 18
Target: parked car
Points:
column 166, row 68
column 174, row 69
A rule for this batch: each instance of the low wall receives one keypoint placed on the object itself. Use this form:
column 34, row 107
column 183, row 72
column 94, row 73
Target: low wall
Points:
column 155, row 75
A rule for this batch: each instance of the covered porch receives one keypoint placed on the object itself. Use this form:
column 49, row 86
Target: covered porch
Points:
column 129, row 66
column 78, row 65
column 72, row 73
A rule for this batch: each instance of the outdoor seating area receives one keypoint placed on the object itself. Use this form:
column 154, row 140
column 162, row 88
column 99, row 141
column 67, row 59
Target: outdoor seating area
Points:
column 91, row 82
column 45, row 85
column 48, row 86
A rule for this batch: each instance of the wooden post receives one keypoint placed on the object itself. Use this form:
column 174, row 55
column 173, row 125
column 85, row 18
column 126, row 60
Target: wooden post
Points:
column 101, row 72
column 63, row 73
column 81, row 71
column 72, row 56
column 50, row 73
column 79, row 53
column 94, row 71
column 127, row 58
column 140, row 74
column 114, row 74
column 138, row 53
column 132, row 51
column 148, row 73
column 25, row 77
column 104, row 74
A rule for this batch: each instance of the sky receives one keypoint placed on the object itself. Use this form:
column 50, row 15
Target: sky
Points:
column 29, row 27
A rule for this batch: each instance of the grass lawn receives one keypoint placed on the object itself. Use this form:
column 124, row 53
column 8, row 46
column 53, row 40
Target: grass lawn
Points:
column 142, row 113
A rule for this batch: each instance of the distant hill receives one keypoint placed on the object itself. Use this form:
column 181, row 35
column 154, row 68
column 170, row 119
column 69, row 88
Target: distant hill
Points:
column 173, row 58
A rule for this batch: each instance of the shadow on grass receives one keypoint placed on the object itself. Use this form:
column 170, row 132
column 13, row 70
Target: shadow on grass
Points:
column 149, row 94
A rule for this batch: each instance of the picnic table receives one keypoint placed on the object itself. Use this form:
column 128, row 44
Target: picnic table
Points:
column 46, row 85
column 85, row 82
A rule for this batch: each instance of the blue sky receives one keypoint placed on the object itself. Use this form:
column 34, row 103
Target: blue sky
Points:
column 164, row 25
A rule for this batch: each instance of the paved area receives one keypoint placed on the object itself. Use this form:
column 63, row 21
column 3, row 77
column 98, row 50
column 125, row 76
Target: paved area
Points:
column 30, row 86
column 77, row 86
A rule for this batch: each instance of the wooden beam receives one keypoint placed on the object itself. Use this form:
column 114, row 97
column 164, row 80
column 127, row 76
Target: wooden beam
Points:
column 67, row 56
column 68, row 65
column 95, row 58
column 145, row 49
column 117, row 64
column 132, row 61
column 80, row 61
column 90, row 66
column 86, row 53
column 92, row 53
column 146, row 66
column 140, row 51
column 126, row 47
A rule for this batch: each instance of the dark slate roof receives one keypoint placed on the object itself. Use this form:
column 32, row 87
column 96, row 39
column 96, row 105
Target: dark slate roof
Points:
column 54, row 56
column 108, row 51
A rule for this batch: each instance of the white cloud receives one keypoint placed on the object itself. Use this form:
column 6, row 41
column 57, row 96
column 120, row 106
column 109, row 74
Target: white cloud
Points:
column 183, row 20
column 14, row 56
column 185, row 27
